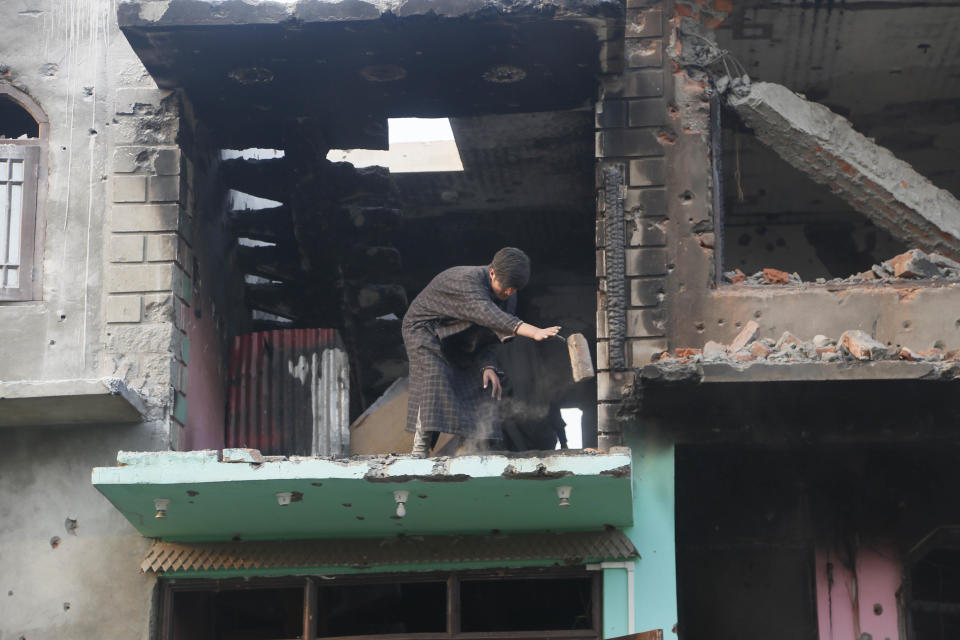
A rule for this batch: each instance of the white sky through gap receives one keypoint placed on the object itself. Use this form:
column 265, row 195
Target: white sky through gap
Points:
column 574, row 435
column 419, row 130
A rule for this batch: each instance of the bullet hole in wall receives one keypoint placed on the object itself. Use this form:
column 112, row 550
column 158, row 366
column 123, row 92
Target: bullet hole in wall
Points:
column 54, row 542
column 70, row 524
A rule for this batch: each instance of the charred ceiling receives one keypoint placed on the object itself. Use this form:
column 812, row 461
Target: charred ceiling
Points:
column 259, row 75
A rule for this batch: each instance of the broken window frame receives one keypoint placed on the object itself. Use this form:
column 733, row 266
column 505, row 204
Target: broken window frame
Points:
column 32, row 151
column 169, row 587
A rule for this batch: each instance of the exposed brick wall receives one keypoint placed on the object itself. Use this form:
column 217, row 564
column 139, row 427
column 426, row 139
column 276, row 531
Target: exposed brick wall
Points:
column 147, row 267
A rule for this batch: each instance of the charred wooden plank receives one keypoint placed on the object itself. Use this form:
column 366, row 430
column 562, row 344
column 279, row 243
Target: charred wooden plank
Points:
column 270, row 225
column 262, row 178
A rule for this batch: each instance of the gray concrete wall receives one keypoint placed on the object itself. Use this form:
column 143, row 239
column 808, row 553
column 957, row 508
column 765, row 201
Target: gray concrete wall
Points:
column 110, row 269
column 58, row 584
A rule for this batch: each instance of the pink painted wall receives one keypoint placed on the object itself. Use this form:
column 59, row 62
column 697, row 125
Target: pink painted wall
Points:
column 206, row 380
column 876, row 581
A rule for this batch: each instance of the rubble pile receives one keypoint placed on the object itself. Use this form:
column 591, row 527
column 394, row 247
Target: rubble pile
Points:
column 853, row 345
column 912, row 265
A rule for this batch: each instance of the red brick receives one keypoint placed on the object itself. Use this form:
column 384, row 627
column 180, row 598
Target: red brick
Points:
column 953, row 354
column 748, row 333
column 867, row 275
column 759, row 349
column 686, row 352
column 684, row 10
column 775, row 276
column 907, row 354
column 861, row 345
column 823, row 350
column 723, row 5
column 713, row 23
column 738, row 276
column 931, row 354
column 786, row 339
column 913, row 264
column 744, row 356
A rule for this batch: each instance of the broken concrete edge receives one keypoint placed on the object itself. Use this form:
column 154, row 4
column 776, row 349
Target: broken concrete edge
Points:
column 913, row 266
column 45, row 390
column 727, row 372
column 171, row 467
column 837, row 284
column 869, row 177
column 853, row 344
column 180, row 13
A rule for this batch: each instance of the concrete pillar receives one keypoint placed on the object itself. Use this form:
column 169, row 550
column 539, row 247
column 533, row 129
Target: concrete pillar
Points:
column 147, row 275
column 631, row 210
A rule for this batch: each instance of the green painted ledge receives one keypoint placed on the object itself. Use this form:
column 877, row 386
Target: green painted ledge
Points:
column 215, row 500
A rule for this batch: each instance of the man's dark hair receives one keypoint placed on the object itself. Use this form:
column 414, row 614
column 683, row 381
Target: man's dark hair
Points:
column 512, row 267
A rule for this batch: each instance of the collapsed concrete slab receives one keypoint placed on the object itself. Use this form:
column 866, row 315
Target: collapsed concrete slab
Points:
column 869, row 177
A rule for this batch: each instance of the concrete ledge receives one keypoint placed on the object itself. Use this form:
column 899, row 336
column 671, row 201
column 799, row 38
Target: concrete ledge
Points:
column 208, row 498
column 60, row 402
column 799, row 372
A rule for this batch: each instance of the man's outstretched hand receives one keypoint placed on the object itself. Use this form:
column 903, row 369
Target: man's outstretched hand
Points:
column 536, row 333
column 492, row 380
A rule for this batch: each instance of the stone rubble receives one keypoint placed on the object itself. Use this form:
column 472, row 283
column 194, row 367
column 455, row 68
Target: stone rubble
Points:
column 912, row 265
column 853, row 345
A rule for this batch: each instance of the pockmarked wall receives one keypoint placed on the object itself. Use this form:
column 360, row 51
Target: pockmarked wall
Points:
column 108, row 216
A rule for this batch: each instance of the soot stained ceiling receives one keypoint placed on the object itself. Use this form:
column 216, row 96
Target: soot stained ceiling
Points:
column 255, row 83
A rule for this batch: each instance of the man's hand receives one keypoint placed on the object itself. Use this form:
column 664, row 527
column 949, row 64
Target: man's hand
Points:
column 491, row 379
column 536, row 333
column 543, row 334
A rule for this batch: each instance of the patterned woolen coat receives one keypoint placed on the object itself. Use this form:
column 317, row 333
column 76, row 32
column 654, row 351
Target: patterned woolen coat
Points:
column 450, row 333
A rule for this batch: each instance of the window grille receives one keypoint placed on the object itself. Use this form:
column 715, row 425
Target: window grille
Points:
column 18, row 207
column 23, row 138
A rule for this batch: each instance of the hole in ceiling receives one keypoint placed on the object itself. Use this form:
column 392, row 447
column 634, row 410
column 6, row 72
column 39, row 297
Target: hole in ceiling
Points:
column 417, row 145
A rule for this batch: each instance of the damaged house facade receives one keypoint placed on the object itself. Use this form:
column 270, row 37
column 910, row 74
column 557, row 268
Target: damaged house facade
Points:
column 210, row 228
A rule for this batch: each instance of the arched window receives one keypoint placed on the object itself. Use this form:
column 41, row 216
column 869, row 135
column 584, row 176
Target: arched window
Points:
column 23, row 140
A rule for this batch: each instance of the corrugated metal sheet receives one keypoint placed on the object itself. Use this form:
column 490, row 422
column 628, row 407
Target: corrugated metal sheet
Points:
column 289, row 393
column 569, row 548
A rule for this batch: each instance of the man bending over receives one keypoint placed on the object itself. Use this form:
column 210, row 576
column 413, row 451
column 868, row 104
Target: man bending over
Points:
column 450, row 332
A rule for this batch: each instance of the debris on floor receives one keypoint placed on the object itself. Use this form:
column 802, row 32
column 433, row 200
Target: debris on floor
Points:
column 852, row 345
column 912, row 265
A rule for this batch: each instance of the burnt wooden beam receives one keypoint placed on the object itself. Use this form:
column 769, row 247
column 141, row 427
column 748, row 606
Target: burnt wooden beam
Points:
column 262, row 178
column 277, row 262
column 375, row 222
column 371, row 263
column 269, row 225
column 375, row 300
